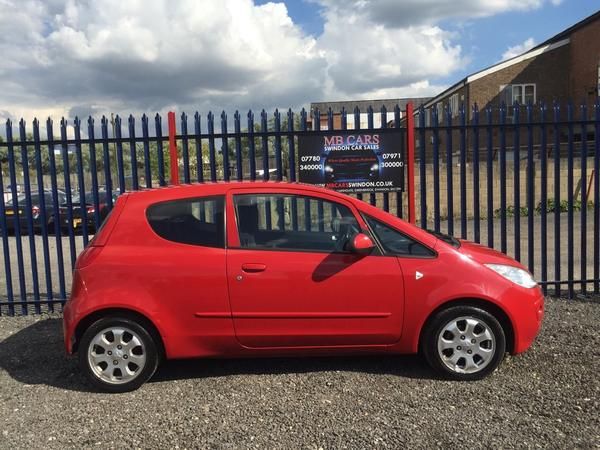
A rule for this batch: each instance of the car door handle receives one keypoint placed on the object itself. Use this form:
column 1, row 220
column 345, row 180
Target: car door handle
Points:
column 253, row 267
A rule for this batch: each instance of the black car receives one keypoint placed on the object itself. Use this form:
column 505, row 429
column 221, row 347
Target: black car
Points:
column 36, row 214
column 353, row 165
column 89, row 214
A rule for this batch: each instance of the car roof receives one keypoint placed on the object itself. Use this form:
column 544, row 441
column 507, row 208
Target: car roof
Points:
column 222, row 187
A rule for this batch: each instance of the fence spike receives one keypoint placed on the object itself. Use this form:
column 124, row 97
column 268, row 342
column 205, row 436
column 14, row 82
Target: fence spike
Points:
column 303, row 118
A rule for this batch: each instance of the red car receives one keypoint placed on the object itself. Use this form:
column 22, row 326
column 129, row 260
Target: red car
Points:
column 272, row 269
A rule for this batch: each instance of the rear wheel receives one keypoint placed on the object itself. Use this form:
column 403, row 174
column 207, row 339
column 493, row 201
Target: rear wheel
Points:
column 464, row 343
column 117, row 354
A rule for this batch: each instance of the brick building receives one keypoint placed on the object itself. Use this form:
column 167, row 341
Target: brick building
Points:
column 565, row 67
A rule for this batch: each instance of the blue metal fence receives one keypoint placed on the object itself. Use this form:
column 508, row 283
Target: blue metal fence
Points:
column 514, row 178
column 531, row 167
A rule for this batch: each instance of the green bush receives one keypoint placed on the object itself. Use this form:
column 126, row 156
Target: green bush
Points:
column 563, row 207
column 510, row 211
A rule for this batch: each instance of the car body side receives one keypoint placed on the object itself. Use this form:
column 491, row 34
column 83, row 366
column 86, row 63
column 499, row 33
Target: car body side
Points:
column 188, row 304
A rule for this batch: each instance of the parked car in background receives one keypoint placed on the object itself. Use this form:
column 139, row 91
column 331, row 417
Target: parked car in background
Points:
column 19, row 188
column 39, row 214
column 271, row 269
column 89, row 212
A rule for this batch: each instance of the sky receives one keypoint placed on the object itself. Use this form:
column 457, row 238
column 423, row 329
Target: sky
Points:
column 67, row 58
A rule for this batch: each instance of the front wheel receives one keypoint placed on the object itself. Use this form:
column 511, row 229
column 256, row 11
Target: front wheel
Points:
column 464, row 343
column 117, row 354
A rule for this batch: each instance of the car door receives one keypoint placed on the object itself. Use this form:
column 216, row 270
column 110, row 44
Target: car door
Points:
column 291, row 281
column 421, row 268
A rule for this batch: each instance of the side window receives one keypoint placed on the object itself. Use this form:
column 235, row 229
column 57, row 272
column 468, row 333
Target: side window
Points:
column 293, row 222
column 197, row 221
column 395, row 242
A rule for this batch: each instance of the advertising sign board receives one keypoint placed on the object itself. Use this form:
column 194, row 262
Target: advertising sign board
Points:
column 353, row 162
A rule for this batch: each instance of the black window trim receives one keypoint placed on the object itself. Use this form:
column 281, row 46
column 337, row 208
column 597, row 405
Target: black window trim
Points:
column 190, row 199
column 373, row 236
column 289, row 194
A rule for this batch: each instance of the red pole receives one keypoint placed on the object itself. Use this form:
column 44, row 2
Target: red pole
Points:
column 587, row 194
column 173, row 149
column 410, row 156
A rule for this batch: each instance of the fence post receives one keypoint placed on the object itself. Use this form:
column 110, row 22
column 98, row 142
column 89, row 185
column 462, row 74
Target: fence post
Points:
column 173, row 149
column 410, row 145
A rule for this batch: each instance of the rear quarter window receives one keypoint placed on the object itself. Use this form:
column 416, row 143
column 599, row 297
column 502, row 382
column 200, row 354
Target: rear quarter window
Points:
column 197, row 221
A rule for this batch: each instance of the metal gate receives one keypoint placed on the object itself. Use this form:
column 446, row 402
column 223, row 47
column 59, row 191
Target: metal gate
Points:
column 521, row 179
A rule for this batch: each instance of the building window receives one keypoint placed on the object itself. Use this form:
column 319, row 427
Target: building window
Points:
column 521, row 93
column 598, row 87
column 453, row 103
column 440, row 111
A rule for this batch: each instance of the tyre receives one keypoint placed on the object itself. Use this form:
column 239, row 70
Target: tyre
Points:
column 464, row 343
column 117, row 354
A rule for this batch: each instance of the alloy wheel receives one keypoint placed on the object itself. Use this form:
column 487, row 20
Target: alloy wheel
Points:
column 116, row 355
column 466, row 345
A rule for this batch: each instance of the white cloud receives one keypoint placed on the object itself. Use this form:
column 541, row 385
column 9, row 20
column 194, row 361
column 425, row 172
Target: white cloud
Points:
column 377, row 59
column 404, row 13
column 62, row 57
column 518, row 49
column 148, row 55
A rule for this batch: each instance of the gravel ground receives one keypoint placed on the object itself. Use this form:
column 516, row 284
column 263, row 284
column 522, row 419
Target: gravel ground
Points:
column 548, row 397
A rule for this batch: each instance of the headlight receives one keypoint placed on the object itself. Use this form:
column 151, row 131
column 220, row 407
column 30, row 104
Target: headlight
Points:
column 328, row 169
column 374, row 167
column 514, row 274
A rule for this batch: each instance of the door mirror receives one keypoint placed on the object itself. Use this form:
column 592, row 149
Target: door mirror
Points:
column 361, row 243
